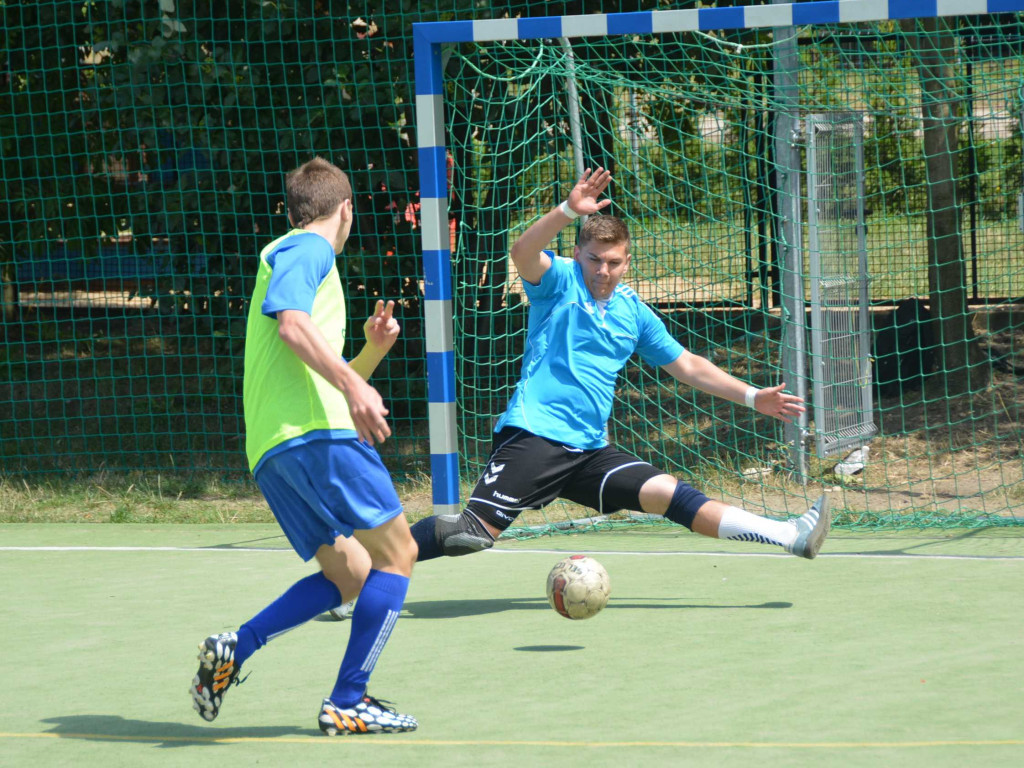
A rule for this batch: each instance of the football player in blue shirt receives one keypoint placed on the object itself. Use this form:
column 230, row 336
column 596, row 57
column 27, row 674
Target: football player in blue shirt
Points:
column 551, row 441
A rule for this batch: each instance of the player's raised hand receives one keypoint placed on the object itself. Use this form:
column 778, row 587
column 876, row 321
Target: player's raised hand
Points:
column 772, row 401
column 382, row 329
column 583, row 198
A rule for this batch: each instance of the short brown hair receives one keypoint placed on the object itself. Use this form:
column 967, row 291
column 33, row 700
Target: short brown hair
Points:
column 610, row 230
column 315, row 189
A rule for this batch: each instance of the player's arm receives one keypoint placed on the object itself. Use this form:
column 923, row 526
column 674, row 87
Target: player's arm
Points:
column 298, row 331
column 528, row 251
column 700, row 373
column 381, row 331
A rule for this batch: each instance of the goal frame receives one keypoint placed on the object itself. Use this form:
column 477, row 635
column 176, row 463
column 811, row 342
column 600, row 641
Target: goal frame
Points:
column 428, row 39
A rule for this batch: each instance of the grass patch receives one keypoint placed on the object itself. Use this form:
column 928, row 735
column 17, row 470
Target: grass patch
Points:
column 131, row 498
column 148, row 497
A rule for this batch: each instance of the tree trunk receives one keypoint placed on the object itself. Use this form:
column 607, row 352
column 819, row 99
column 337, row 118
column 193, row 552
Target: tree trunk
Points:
column 8, row 294
column 957, row 352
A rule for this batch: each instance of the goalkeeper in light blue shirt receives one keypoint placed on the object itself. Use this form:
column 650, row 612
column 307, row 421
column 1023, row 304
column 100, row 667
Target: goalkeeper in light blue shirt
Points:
column 551, row 441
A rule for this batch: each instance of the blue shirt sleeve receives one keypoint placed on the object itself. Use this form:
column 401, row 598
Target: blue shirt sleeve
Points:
column 553, row 282
column 298, row 266
column 655, row 346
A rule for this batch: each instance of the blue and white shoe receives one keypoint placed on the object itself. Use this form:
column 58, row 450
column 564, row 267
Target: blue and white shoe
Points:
column 812, row 527
column 367, row 716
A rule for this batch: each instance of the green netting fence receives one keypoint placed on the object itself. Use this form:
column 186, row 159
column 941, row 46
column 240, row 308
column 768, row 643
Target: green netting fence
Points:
column 144, row 146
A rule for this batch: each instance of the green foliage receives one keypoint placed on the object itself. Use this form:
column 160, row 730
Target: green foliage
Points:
column 895, row 172
column 161, row 130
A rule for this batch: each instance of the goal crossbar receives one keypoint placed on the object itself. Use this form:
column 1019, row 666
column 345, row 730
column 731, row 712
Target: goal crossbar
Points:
column 428, row 39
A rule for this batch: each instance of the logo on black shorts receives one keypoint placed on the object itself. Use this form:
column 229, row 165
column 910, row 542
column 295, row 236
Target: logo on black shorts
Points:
column 496, row 470
column 503, row 497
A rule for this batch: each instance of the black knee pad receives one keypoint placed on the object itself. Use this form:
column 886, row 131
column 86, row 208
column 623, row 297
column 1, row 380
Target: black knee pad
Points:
column 462, row 534
column 686, row 500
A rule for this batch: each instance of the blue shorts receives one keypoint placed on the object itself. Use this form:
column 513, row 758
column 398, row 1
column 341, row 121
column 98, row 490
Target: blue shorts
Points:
column 327, row 488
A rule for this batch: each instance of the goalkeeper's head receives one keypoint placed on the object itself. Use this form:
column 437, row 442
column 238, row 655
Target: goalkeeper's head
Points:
column 602, row 251
column 607, row 230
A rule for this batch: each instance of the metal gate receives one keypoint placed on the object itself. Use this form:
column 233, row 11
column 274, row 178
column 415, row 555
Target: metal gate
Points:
column 837, row 245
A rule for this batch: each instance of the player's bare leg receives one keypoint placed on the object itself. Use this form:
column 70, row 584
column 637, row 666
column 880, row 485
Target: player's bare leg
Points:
column 346, row 565
column 803, row 536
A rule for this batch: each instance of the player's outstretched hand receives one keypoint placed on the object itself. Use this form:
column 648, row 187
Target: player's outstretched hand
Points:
column 772, row 401
column 368, row 412
column 583, row 198
column 382, row 329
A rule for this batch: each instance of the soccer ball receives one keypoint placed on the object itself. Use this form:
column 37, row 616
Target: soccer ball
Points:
column 578, row 587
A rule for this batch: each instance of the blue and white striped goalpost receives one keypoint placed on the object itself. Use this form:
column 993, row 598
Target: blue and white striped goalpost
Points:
column 428, row 37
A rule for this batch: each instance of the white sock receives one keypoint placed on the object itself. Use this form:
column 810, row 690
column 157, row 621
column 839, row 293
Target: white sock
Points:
column 740, row 525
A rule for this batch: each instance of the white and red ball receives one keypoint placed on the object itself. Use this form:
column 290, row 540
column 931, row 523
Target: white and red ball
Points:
column 578, row 587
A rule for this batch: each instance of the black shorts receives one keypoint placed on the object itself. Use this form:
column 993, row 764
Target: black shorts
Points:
column 525, row 471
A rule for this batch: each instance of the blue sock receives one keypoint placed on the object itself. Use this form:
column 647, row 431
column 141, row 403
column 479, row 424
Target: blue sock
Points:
column 374, row 617
column 304, row 600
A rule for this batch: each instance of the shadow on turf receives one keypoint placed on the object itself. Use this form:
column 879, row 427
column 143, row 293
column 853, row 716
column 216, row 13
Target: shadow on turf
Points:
column 251, row 543
column 117, row 728
column 451, row 609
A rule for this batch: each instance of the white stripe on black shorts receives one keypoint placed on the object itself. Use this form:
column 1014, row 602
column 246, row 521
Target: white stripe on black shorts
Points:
column 526, row 471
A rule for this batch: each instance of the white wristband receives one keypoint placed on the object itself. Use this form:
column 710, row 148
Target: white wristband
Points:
column 748, row 398
column 564, row 208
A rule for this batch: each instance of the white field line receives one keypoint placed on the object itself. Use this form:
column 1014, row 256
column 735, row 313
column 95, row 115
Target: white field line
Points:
column 595, row 552
column 829, row 555
column 416, row 742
